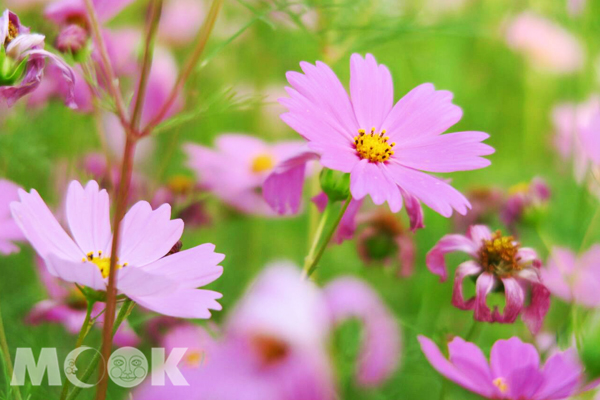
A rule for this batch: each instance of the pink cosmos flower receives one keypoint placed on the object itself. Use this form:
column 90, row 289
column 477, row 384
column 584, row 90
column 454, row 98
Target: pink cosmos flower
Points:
column 274, row 344
column 500, row 263
column 166, row 285
column 522, row 198
column 180, row 21
column 385, row 147
column 485, row 202
column 574, row 279
column 238, row 167
column 67, row 306
column 546, row 45
column 66, row 11
column 513, row 372
column 23, row 58
column 9, row 231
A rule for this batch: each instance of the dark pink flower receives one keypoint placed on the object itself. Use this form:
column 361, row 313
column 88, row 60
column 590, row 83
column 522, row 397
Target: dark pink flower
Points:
column 513, row 372
column 71, row 39
column 384, row 146
column 9, row 231
column 23, row 59
column 523, row 198
column 499, row 264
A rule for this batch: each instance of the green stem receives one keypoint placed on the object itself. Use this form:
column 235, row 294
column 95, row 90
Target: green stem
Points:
column 6, row 353
column 312, row 260
column 123, row 314
column 590, row 229
column 85, row 329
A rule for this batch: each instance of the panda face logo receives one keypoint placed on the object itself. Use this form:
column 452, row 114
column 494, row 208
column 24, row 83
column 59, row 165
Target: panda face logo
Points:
column 127, row 367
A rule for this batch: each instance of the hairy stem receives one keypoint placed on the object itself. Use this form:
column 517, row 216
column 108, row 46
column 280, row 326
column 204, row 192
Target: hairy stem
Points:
column 7, row 359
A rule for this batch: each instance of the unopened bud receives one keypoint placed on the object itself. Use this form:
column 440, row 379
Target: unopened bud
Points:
column 71, row 39
column 335, row 184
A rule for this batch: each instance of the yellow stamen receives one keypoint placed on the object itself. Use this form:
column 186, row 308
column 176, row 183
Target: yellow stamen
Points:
column 194, row 359
column 180, row 184
column 13, row 31
column 102, row 263
column 500, row 383
column 499, row 255
column 373, row 147
column 262, row 163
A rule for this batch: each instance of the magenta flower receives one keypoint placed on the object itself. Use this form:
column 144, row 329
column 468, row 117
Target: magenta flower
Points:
column 274, row 345
column 166, row 285
column 239, row 165
column 385, row 147
column 500, row 263
column 23, row 58
column 9, row 231
column 513, row 372
column 523, row 198
column 67, row 306
column 574, row 279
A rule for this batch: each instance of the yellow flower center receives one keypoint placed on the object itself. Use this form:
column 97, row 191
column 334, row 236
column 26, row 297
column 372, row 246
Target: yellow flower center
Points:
column 500, row 383
column 194, row 359
column 13, row 31
column 499, row 255
column 262, row 163
column 522, row 187
column 373, row 147
column 180, row 184
column 103, row 263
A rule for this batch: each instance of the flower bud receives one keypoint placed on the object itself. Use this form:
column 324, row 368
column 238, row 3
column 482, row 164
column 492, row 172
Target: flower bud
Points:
column 335, row 184
column 71, row 39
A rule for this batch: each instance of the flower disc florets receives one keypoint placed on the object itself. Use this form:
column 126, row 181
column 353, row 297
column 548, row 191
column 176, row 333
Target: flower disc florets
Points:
column 498, row 255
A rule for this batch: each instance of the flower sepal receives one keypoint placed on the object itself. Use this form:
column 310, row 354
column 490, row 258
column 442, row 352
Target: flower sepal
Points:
column 11, row 72
column 335, row 184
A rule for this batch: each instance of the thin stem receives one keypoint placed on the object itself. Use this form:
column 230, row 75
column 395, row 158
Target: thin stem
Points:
column 123, row 314
column 85, row 329
column 311, row 261
column 590, row 229
column 191, row 63
column 6, row 353
column 113, row 83
column 152, row 28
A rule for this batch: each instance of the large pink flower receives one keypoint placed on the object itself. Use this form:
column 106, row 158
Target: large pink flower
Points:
column 574, row 279
column 148, row 274
column 275, row 343
column 9, row 231
column 513, row 372
column 499, row 263
column 385, row 147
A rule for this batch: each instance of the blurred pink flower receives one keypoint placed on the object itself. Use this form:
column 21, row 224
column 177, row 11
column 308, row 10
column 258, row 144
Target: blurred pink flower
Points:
column 485, row 204
column 274, row 344
column 71, row 39
column 576, row 7
column 180, row 21
column 68, row 11
column 67, row 306
column 9, row 231
column 500, row 263
column 23, row 60
column 24, row 5
column 166, row 285
column 522, row 198
column 547, row 46
column 183, row 194
column 383, row 146
column 574, row 279
column 513, row 372
column 238, row 167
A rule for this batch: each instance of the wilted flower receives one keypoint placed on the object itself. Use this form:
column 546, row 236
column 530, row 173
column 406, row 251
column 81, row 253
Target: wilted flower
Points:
column 546, row 45
column 513, row 372
column 67, row 306
column 274, row 345
column 383, row 146
column 166, row 285
column 574, row 279
column 500, row 264
column 9, row 231
column 523, row 198
column 22, row 61
column 236, row 169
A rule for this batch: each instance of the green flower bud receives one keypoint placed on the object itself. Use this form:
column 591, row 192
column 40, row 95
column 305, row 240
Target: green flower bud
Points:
column 335, row 184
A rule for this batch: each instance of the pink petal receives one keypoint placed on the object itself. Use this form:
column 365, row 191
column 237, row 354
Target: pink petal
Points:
column 372, row 91
column 380, row 350
column 83, row 273
column 370, row 179
column 533, row 315
column 557, row 274
column 41, row 229
column 451, row 152
column 514, row 301
column 183, row 303
column 413, row 210
column 524, row 382
column 422, row 113
column 448, row 244
column 563, row 375
column 479, row 233
column 469, row 268
column 135, row 281
column 88, row 214
column 483, row 287
column 509, row 355
column 147, row 234
column 9, row 192
column 471, row 362
column 339, row 157
column 432, row 191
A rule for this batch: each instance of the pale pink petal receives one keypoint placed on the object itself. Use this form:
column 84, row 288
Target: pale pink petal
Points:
column 557, row 273
column 450, row 243
column 9, row 192
column 134, row 281
column 471, row 362
column 372, row 91
column 413, row 210
column 88, row 214
column 340, row 157
column 479, row 233
column 524, row 382
column 484, row 285
column 515, row 298
column 41, row 229
column 533, row 315
column 432, row 191
column 422, row 113
column 183, row 303
column 509, row 355
column 563, row 375
column 380, row 349
column 370, row 179
column 466, row 269
column 83, row 273
column 147, row 234
column 527, row 254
